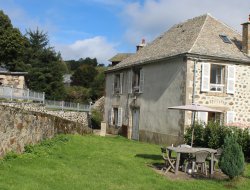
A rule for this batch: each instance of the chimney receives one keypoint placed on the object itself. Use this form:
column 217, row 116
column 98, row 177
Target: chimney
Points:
column 141, row 45
column 246, row 37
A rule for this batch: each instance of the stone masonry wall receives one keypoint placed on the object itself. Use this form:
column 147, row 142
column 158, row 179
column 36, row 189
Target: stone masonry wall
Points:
column 239, row 102
column 19, row 127
column 12, row 80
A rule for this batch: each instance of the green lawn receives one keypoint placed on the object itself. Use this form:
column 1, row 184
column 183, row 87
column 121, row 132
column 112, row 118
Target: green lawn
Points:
column 91, row 162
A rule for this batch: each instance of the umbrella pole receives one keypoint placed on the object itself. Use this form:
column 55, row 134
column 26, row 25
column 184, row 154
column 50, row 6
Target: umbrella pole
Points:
column 192, row 137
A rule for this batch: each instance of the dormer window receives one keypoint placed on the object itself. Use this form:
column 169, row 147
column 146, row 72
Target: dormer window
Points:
column 225, row 38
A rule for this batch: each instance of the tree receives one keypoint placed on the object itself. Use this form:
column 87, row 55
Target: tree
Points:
column 46, row 73
column 84, row 76
column 13, row 45
column 97, row 86
column 232, row 159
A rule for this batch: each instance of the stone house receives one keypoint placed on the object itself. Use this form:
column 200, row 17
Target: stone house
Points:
column 201, row 60
column 13, row 79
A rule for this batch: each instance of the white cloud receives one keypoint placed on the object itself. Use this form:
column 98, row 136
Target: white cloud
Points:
column 153, row 17
column 96, row 47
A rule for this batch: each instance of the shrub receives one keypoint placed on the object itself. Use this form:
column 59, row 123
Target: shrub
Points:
column 214, row 134
column 232, row 159
column 96, row 119
column 198, row 135
column 10, row 156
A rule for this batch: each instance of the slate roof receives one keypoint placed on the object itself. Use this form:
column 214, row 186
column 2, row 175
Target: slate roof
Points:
column 120, row 57
column 199, row 35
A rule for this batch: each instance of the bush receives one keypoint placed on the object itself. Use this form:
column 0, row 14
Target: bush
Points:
column 232, row 159
column 213, row 135
column 10, row 156
column 198, row 135
column 96, row 119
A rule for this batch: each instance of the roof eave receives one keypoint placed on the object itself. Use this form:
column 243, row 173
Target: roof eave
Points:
column 194, row 55
column 144, row 63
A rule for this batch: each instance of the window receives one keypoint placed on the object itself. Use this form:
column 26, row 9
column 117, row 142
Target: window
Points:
column 204, row 117
column 137, row 80
column 213, row 78
column 217, row 75
column 213, row 116
column 115, row 116
column 117, row 83
column 225, row 39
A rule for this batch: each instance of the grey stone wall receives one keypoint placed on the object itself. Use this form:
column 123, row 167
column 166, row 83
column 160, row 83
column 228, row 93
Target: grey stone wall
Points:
column 239, row 102
column 19, row 127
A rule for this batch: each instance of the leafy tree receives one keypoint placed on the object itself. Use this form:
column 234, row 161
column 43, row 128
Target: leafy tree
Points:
column 88, row 61
column 84, row 76
column 13, row 45
column 97, row 87
column 232, row 159
column 74, row 65
column 77, row 94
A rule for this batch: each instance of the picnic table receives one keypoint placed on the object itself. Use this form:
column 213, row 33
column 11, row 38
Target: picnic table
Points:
column 191, row 150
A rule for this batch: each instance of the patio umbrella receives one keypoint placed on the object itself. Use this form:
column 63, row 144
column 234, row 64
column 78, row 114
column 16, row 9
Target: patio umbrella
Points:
column 194, row 108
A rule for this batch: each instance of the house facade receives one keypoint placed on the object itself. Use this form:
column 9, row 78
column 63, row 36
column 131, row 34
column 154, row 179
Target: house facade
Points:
column 200, row 61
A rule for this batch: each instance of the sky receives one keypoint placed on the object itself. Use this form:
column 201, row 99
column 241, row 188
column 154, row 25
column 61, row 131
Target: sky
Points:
column 102, row 28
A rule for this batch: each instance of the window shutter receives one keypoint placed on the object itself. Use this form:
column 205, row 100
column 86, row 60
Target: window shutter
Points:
column 111, row 116
column 141, row 85
column 230, row 117
column 119, row 122
column 205, row 78
column 230, row 79
column 202, row 117
column 121, row 83
column 130, row 82
column 113, row 83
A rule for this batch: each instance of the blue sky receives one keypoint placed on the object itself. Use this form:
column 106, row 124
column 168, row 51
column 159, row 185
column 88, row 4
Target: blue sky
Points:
column 102, row 28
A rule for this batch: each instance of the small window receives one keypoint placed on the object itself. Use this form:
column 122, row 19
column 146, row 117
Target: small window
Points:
column 217, row 75
column 138, row 80
column 117, row 84
column 225, row 39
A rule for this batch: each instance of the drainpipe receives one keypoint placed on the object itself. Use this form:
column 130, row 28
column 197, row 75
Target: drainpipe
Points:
column 194, row 81
column 193, row 100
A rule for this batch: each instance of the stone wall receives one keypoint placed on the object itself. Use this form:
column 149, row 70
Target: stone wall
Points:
column 239, row 102
column 16, row 81
column 19, row 127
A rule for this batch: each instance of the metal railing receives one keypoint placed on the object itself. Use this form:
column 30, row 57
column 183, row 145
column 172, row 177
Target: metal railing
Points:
column 18, row 93
column 62, row 105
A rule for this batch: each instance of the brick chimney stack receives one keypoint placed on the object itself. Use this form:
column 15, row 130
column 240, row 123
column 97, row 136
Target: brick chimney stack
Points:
column 246, row 37
column 141, row 45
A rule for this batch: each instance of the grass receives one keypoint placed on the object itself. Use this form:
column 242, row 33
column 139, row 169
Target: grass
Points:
column 91, row 162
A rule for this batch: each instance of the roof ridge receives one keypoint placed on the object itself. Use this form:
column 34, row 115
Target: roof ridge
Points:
column 199, row 32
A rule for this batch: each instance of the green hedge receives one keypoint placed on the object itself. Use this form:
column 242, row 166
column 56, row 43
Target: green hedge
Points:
column 213, row 134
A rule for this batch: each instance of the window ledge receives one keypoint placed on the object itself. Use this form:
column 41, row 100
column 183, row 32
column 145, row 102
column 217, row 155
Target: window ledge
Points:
column 220, row 94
